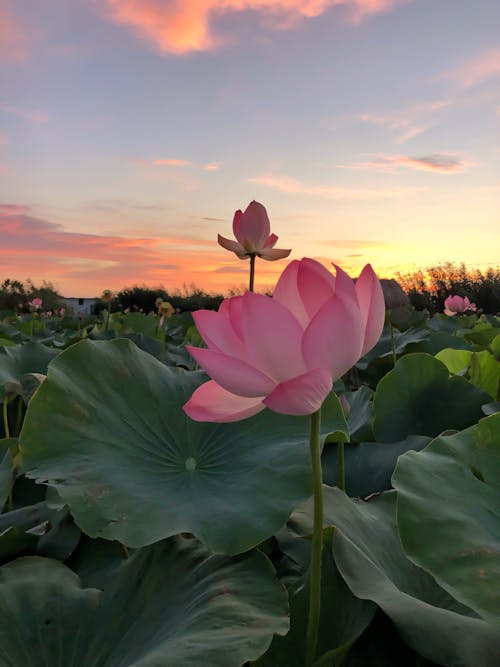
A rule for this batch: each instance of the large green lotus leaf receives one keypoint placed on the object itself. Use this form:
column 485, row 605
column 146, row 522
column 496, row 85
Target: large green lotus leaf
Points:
column 359, row 421
column 343, row 619
column 171, row 605
column 483, row 369
column 15, row 542
column 449, row 513
column 25, row 518
column 6, row 469
column 419, row 397
column 10, row 332
column 21, row 359
column 456, row 361
column 452, row 324
column 437, row 341
column 483, row 334
column 368, row 465
column 107, row 430
column 381, row 646
column 495, row 347
column 384, row 346
column 369, row 556
column 140, row 323
column 61, row 536
column 94, row 561
column 485, row 373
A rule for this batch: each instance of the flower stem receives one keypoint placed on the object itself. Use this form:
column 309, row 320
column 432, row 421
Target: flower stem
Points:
column 317, row 540
column 20, row 414
column 340, row 466
column 393, row 344
column 252, row 272
column 6, row 416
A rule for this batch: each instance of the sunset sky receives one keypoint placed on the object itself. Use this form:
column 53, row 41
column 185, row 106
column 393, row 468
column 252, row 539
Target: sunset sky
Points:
column 131, row 130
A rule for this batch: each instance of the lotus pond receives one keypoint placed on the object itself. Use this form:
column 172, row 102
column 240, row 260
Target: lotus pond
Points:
column 131, row 535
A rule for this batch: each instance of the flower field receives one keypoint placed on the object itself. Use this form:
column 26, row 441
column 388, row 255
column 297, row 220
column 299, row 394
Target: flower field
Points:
column 157, row 514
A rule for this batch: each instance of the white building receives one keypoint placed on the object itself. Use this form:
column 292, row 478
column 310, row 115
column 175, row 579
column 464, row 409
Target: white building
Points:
column 80, row 306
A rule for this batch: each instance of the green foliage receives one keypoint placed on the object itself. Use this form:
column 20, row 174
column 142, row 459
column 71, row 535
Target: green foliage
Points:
column 107, row 431
column 428, row 400
column 108, row 454
column 369, row 556
column 171, row 604
column 435, row 488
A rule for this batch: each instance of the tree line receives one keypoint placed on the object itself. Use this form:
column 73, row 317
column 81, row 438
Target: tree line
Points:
column 426, row 289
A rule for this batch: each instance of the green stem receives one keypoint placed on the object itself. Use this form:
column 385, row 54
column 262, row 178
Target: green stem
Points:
column 163, row 349
column 10, row 498
column 393, row 343
column 6, row 417
column 19, row 420
column 317, row 540
column 252, row 272
column 107, row 317
column 340, row 466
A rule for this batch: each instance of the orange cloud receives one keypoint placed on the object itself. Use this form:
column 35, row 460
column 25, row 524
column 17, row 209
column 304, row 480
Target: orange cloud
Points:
column 479, row 69
column 181, row 26
column 13, row 42
column 294, row 186
column 85, row 264
column 441, row 163
column 211, row 166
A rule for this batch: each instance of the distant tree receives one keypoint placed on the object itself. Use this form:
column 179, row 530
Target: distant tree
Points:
column 12, row 295
column 189, row 298
column 16, row 295
column 140, row 297
column 428, row 289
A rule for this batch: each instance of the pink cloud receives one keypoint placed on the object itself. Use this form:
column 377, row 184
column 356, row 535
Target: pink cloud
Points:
column 13, row 42
column 10, row 209
column 294, row 186
column 408, row 122
column 211, row 166
column 172, row 162
column 485, row 66
column 410, row 133
column 442, row 163
column 33, row 115
column 181, row 26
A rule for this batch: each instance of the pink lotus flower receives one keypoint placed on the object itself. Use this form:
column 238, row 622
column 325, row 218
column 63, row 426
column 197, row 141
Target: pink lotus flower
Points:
column 252, row 231
column 36, row 303
column 456, row 304
column 285, row 352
